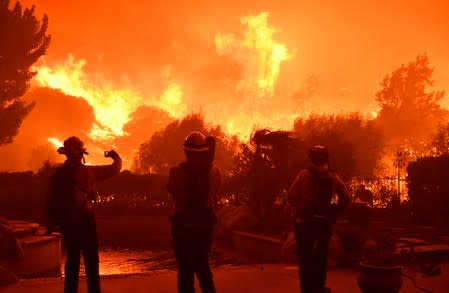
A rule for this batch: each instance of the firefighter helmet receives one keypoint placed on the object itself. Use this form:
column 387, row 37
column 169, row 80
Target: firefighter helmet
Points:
column 73, row 146
column 195, row 142
column 319, row 154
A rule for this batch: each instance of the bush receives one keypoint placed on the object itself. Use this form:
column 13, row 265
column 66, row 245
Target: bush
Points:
column 428, row 187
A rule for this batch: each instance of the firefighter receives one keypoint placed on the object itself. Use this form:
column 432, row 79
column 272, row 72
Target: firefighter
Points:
column 193, row 185
column 70, row 208
column 311, row 195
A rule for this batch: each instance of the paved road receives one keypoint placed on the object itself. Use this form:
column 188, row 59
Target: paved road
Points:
column 241, row 279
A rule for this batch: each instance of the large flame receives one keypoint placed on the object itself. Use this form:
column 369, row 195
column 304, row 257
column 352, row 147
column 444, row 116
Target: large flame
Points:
column 112, row 107
column 56, row 142
column 171, row 101
column 261, row 55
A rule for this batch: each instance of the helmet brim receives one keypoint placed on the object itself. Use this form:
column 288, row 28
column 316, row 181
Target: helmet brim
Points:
column 196, row 149
column 63, row 151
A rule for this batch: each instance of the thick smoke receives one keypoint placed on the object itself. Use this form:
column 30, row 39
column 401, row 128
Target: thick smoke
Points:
column 339, row 54
column 55, row 115
column 347, row 45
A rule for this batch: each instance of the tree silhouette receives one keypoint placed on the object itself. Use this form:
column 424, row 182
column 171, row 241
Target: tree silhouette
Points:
column 164, row 149
column 440, row 141
column 409, row 106
column 145, row 121
column 354, row 143
column 428, row 189
column 23, row 41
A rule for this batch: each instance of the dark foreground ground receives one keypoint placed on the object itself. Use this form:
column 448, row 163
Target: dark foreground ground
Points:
column 234, row 279
column 231, row 276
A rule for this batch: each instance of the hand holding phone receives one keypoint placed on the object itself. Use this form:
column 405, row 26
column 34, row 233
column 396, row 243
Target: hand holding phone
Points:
column 111, row 154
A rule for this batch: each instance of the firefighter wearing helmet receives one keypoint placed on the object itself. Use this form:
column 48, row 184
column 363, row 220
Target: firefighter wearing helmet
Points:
column 193, row 185
column 69, row 208
column 311, row 196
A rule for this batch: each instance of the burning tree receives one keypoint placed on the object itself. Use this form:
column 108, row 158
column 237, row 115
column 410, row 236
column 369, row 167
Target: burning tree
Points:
column 272, row 158
column 23, row 41
column 263, row 170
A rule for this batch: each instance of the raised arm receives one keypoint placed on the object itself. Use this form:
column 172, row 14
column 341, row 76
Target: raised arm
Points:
column 100, row 173
column 344, row 197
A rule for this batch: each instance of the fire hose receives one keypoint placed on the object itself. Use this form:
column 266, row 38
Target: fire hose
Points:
column 416, row 284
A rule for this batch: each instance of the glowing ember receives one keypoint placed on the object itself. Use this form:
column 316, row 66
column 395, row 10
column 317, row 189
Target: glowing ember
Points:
column 56, row 142
column 112, row 107
column 261, row 55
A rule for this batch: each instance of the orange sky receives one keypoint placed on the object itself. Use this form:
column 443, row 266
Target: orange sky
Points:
column 348, row 46
column 341, row 49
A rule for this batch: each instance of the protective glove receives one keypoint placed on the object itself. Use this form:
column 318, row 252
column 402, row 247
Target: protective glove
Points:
column 111, row 154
